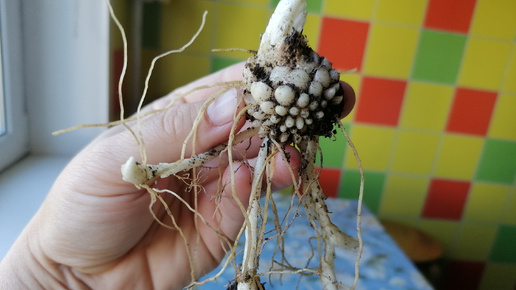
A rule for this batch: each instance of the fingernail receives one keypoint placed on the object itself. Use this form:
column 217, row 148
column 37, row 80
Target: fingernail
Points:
column 222, row 110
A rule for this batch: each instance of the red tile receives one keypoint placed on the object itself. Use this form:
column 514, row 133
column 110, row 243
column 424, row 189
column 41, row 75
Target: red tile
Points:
column 450, row 15
column 343, row 42
column 463, row 275
column 471, row 111
column 329, row 180
column 446, row 199
column 380, row 101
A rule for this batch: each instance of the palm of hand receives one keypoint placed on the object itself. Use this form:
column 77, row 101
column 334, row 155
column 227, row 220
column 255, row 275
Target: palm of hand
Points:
column 102, row 230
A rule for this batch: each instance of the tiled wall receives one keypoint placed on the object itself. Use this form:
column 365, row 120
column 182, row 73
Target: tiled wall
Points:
column 435, row 121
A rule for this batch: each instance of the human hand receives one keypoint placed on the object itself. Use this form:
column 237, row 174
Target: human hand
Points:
column 95, row 230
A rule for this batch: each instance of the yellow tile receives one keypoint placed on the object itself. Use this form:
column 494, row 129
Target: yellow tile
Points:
column 458, row 156
column 484, row 63
column 495, row 19
column 409, row 12
column 509, row 216
column 171, row 73
column 415, row 152
column 311, row 30
column 445, row 232
column 390, row 51
column 474, row 242
column 510, row 76
column 180, row 21
column 361, row 10
column 374, row 144
column 486, row 202
column 503, row 122
column 239, row 27
column 354, row 80
column 498, row 276
column 419, row 98
column 403, row 196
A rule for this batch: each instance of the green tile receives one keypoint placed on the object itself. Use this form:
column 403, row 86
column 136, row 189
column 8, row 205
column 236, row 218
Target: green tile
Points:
column 312, row 6
column 218, row 63
column 151, row 25
column 287, row 190
column 333, row 149
column 498, row 161
column 373, row 188
column 438, row 57
column 504, row 248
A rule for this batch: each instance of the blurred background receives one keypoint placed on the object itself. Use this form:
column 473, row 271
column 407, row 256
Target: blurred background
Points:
column 435, row 120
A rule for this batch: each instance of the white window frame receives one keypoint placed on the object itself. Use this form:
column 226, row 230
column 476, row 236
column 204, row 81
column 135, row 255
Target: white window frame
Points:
column 66, row 82
column 14, row 142
column 56, row 73
column 66, row 52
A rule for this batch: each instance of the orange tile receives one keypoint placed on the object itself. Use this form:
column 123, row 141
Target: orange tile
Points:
column 380, row 101
column 343, row 42
column 329, row 180
column 450, row 15
column 446, row 199
column 471, row 111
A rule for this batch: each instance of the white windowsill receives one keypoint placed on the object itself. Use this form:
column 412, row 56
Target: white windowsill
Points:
column 23, row 187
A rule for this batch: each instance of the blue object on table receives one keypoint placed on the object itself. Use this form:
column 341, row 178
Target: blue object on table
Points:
column 383, row 264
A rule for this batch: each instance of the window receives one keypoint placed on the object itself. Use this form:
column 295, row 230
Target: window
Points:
column 3, row 128
column 13, row 119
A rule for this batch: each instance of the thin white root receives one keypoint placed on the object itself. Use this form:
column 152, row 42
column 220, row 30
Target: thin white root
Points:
column 140, row 139
column 359, row 205
column 138, row 173
column 247, row 277
column 329, row 234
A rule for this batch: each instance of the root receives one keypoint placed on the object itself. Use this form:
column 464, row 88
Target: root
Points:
column 253, row 231
column 250, row 51
column 359, row 206
column 278, row 118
